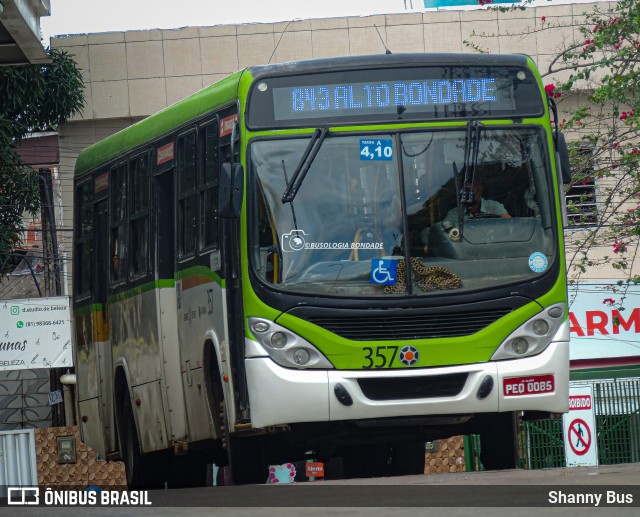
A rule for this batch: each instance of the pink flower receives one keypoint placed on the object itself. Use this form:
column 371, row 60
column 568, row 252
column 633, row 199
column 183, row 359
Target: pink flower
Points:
column 608, row 301
column 543, row 18
column 619, row 247
column 551, row 91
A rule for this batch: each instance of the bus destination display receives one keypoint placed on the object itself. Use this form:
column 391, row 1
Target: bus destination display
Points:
column 459, row 96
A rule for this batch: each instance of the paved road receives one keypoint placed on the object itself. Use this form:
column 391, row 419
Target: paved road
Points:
column 576, row 492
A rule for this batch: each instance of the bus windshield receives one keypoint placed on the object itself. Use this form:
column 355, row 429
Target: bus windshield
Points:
column 466, row 214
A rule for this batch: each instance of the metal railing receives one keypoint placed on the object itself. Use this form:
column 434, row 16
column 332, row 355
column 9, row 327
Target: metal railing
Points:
column 617, row 409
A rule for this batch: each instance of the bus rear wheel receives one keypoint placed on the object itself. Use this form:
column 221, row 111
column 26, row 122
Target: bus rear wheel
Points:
column 146, row 471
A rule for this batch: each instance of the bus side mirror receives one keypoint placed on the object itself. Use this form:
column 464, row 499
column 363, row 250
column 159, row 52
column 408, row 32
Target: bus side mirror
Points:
column 565, row 163
column 231, row 188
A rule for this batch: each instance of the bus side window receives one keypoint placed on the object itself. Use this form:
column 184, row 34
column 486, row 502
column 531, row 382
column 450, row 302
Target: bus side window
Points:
column 118, row 193
column 187, row 195
column 84, row 236
column 139, row 214
column 209, row 186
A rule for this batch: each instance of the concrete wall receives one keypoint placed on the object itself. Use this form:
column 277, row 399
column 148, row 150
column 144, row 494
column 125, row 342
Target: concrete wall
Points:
column 130, row 75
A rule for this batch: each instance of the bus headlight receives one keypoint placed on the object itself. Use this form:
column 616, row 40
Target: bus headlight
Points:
column 278, row 340
column 260, row 326
column 301, row 356
column 540, row 327
column 533, row 336
column 286, row 348
column 520, row 345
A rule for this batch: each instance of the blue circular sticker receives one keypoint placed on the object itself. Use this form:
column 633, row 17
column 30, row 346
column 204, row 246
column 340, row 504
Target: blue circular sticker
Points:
column 538, row 262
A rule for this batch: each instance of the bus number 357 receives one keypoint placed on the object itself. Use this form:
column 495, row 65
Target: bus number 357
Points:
column 380, row 357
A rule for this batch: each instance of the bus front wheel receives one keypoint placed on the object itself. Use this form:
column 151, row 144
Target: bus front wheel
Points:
column 498, row 447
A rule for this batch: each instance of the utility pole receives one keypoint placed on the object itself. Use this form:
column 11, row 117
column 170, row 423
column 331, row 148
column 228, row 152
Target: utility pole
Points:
column 53, row 285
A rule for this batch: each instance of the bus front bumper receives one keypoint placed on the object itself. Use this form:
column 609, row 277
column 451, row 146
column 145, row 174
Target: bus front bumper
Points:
column 281, row 396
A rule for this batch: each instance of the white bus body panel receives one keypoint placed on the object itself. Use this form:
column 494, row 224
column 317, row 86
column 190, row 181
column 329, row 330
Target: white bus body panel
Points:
column 173, row 392
column 135, row 342
column 94, row 396
column 201, row 315
column 92, row 430
column 281, row 396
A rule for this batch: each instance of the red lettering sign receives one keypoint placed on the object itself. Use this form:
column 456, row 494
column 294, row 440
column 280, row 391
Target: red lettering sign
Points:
column 634, row 319
column 226, row 124
column 575, row 327
column 315, row 469
column 597, row 320
column 579, row 402
column 165, row 153
column 599, row 323
column 101, row 182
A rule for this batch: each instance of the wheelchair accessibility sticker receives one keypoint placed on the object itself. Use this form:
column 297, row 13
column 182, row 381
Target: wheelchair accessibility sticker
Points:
column 383, row 271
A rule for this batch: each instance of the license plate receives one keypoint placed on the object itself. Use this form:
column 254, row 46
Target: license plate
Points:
column 533, row 385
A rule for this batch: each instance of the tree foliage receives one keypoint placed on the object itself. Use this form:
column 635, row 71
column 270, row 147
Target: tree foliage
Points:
column 597, row 89
column 32, row 98
column 604, row 66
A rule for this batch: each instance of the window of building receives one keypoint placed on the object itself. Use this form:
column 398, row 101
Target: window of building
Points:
column 582, row 207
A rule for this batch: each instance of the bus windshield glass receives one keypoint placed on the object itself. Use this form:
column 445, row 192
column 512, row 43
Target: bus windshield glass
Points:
column 466, row 214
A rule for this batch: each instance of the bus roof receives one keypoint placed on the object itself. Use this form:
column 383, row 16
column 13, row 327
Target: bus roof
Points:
column 154, row 126
column 226, row 90
column 387, row 61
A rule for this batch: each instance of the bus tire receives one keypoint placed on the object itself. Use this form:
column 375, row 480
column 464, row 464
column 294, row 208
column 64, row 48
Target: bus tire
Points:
column 142, row 471
column 407, row 458
column 498, row 449
column 187, row 471
column 248, row 460
column 366, row 461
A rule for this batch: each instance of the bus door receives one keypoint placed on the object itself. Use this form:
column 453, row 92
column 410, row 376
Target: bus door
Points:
column 167, row 304
column 101, row 334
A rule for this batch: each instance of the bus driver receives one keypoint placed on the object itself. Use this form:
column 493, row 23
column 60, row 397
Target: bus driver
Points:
column 478, row 206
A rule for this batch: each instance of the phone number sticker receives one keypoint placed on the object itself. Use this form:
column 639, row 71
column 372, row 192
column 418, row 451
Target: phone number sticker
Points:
column 376, row 149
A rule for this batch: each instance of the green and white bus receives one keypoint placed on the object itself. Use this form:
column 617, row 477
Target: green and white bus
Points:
column 347, row 256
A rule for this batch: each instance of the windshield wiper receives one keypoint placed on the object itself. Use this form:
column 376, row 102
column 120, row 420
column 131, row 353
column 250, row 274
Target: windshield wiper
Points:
column 471, row 151
column 305, row 163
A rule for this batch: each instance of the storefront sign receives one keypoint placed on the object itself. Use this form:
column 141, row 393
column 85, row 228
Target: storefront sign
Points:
column 35, row 333
column 604, row 320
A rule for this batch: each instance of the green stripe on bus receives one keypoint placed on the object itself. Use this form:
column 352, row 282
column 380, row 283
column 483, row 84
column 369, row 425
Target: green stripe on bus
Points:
column 200, row 270
column 166, row 283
